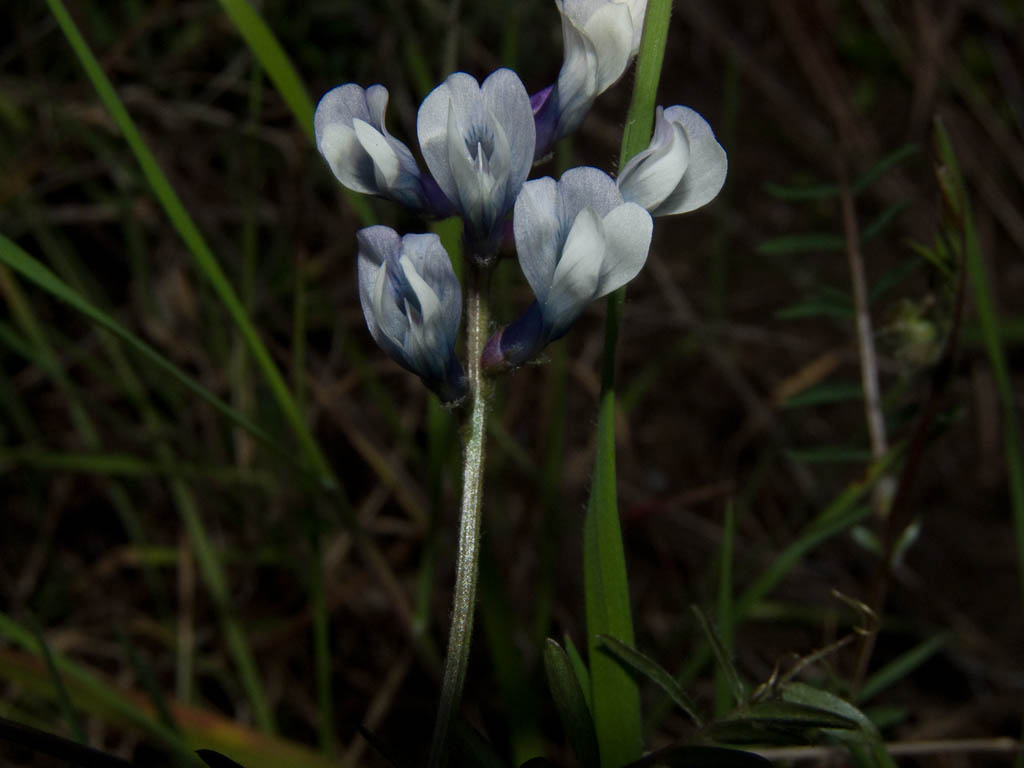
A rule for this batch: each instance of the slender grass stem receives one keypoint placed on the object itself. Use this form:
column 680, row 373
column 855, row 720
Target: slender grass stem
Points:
column 466, row 568
column 615, row 695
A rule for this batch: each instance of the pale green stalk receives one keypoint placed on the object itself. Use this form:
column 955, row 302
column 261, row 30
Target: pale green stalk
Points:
column 466, row 568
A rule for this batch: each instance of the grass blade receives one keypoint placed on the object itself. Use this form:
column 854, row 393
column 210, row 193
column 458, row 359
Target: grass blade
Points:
column 571, row 704
column 614, row 695
column 726, row 617
column 273, row 59
column 726, row 668
column 649, row 668
column 70, row 713
column 282, row 73
column 988, row 323
column 34, row 271
column 196, row 244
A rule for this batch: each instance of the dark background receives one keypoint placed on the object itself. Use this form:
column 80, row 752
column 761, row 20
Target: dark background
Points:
column 725, row 324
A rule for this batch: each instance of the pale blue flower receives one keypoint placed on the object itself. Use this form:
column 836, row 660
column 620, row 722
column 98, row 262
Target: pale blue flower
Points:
column 350, row 134
column 413, row 304
column 478, row 141
column 683, row 168
column 600, row 38
column 577, row 240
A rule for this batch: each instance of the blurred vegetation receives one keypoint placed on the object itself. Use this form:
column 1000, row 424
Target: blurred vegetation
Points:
column 229, row 520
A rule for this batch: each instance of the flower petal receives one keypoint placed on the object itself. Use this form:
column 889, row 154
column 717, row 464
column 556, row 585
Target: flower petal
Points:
column 508, row 103
column 610, row 30
column 536, row 223
column 428, row 256
column 706, row 169
column 352, row 137
column 650, row 177
column 375, row 243
column 385, row 161
column 627, row 231
column 412, row 304
column 587, row 187
column 461, row 93
column 577, row 274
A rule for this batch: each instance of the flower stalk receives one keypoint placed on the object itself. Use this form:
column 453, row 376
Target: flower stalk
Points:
column 467, row 561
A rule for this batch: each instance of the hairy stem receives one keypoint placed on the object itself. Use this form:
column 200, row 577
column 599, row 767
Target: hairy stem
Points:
column 466, row 569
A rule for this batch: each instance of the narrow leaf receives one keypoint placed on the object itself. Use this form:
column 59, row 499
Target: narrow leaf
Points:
column 580, row 668
column 800, row 693
column 614, row 695
column 701, row 757
column 571, row 705
column 736, row 686
column 195, row 242
column 35, row 272
column 646, row 666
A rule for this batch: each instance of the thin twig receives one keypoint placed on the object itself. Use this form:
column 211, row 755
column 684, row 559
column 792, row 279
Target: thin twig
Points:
column 865, row 337
column 899, row 749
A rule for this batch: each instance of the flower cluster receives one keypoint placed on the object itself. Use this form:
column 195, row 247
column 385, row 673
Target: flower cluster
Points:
column 577, row 239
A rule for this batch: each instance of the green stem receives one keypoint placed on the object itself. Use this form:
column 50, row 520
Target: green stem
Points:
column 466, row 569
column 614, row 694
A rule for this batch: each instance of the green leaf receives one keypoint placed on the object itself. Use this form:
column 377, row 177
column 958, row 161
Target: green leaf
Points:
column 614, row 695
column 726, row 615
column 282, row 73
column 867, row 733
column 841, row 514
column 470, row 748
column 825, row 191
column 825, row 301
column 831, row 454
column 988, row 322
column 826, row 394
column 192, row 238
column 701, row 757
column 806, row 242
column 273, row 59
column 880, row 222
column 791, row 193
column 571, row 705
column 35, row 272
column 86, row 689
column 646, row 666
column 580, row 668
column 722, row 657
column 780, row 712
column 70, row 713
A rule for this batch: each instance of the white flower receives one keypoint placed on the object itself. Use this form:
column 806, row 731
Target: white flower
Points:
column 350, row 134
column 600, row 38
column 412, row 303
column 577, row 240
column 683, row 168
column 478, row 141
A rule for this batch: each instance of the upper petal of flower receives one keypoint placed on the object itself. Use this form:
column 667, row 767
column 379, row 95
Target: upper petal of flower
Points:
column 350, row 134
column 478, row 143
column 653, row 174
column 412, row 304
column 703, row 175
column 576, row 240
column 536, row 223
column 599, row 37
column 574, row 283
column 628, row 229
column 637, row 13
